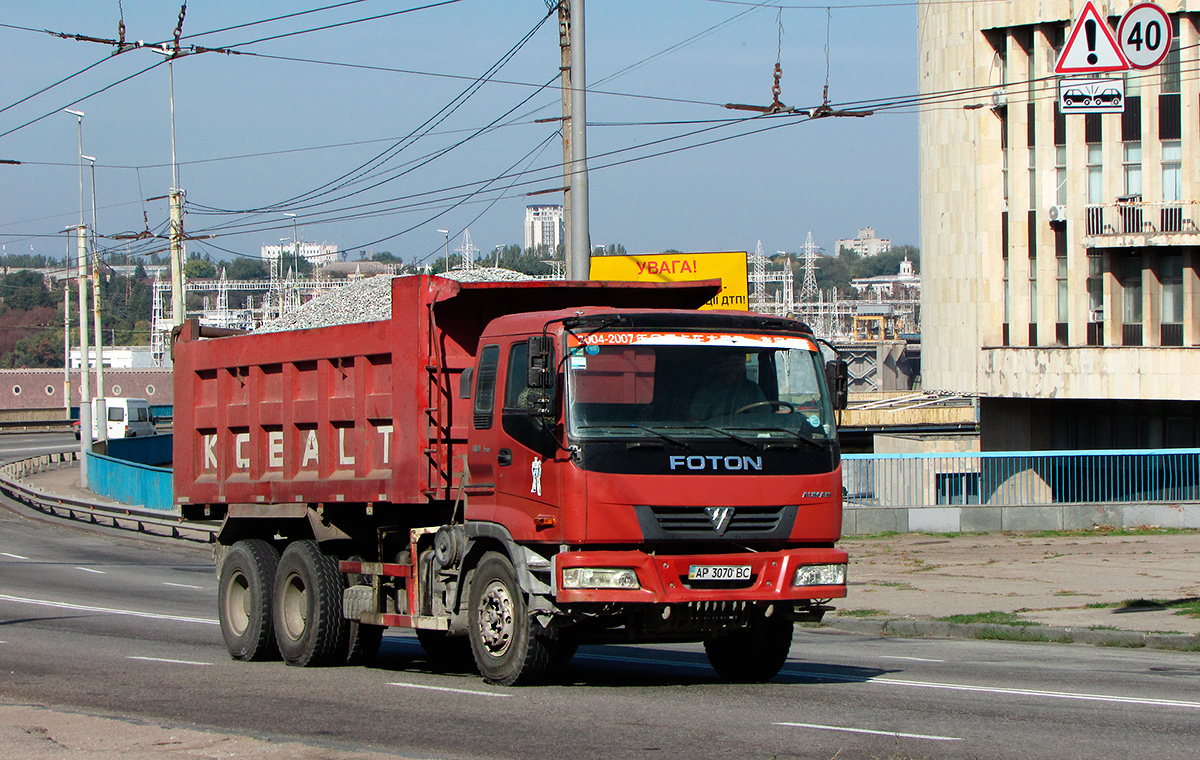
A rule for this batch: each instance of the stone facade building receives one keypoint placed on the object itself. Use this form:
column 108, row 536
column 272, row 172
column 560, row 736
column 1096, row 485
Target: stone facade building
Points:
column 1059, row 252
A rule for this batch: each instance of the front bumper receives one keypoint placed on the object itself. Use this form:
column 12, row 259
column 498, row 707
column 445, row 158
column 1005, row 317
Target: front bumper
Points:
column 664, row 577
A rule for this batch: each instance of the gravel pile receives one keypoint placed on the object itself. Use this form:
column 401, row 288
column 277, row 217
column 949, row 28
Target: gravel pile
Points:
column 367, row 300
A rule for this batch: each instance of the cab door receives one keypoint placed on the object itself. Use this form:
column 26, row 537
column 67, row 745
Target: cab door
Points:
column 527, row 473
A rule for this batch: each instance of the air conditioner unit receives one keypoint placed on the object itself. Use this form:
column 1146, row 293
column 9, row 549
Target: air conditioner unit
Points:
column 1057, row 213
column 999, row 99
column 1096, row 315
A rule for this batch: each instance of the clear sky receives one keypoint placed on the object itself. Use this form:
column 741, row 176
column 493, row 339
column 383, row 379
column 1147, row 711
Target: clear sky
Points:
column 393, row 143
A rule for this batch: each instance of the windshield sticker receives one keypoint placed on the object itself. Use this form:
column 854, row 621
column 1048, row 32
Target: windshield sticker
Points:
column 593, row 340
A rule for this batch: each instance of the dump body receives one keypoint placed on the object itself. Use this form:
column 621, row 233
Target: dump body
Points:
column 358, row 413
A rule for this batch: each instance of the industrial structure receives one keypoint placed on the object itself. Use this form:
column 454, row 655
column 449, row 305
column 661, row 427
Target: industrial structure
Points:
column 1060, row 266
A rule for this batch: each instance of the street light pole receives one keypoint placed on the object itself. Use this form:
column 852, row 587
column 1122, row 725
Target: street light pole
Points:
column 85, row 396
column 101, row 410
column 447, row 234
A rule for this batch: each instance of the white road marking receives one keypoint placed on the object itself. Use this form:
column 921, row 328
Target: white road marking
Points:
column 172, row 662
column 913, row 659
column 875, row 733
column 933, row 685
column 90, row 570
column 453, row 691
column 182, row 585
column 1006, row 690
column 106, row 610
column 13, row 556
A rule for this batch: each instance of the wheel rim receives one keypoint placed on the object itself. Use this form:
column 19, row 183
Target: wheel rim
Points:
column 237, row 603
column 295, row 607
column 496, row 619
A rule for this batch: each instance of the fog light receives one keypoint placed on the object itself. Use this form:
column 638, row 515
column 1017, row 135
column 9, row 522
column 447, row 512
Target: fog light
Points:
column 600, row 577
column 820, row 575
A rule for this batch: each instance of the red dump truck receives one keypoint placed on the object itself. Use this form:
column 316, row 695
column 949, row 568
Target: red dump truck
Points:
column 513, row 469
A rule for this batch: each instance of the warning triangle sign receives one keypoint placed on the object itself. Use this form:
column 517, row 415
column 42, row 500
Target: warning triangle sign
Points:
column 1091, row 47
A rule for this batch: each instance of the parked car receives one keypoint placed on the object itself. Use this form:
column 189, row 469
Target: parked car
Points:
column 1111, row 96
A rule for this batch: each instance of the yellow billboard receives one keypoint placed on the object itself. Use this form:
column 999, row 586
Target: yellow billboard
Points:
column 728, row 267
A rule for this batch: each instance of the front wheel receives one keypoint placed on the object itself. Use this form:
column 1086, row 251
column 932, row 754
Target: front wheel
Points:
column 509, row 645
column 244, row 588
column 753, row 654
column 307, row 607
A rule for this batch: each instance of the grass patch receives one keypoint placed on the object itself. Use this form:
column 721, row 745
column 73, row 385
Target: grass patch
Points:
column 898, row 585
column 994, row 617
column 1016, row 633
column 1103, row 628
column 864, row 613
column 1101, row 605
column 1107, row 530
column 1124, row 644
column 1187, row 607
column 1066, row 593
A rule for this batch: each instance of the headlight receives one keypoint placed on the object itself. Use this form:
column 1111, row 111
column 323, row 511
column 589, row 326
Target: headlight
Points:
column 820, row 575
column 600, row 577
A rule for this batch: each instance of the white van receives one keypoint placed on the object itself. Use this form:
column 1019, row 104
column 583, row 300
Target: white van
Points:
column 127, row 417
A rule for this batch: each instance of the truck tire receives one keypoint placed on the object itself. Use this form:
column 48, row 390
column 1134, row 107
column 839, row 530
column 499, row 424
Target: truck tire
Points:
column 509, row 645
column 244, row 590
column 307, row 608
column 446, row 652
column 753, row 654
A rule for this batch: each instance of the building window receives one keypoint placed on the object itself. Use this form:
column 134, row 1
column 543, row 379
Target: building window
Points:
column 1032, row 179
column 1095, row 188
column 1007, row 303
column 1004, row 156
column 1172, row 186
column 1033, row 302
column 1171, row 276
column 1169, row 68
column 1131, row 119
column 1060, row 175
column 1133, row 168
column 1131, row 293
column 1095, row 290
column 1062, row 311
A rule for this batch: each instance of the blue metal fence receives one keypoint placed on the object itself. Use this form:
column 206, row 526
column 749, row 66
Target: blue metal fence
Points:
column 130, row 482
column 1025, row 478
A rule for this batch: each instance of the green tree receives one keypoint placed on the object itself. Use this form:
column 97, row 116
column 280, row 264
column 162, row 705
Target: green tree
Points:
column 24, row 290
column 199, row 269
column 386, row 257
column 243, row 268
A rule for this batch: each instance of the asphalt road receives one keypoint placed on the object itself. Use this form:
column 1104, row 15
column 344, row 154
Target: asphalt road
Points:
column 100, row 622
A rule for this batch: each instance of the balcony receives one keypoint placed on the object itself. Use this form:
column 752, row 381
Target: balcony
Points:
column 1131, row 222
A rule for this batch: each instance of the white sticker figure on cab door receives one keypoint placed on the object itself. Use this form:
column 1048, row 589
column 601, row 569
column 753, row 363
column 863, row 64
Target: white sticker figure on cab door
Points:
column 536, row 469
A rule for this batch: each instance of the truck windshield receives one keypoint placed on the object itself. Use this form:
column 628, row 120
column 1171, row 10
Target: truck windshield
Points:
column 703, row 385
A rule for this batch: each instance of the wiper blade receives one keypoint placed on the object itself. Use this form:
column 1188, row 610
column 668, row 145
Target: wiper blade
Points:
column 801, row 438
column 718, row 431
column 675, row 441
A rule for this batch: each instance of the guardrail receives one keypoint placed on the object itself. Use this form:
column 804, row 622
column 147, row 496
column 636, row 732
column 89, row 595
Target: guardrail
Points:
column 1030, row 490
column 117, row 516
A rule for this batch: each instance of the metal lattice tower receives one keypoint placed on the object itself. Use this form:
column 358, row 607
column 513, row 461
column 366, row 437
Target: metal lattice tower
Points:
column 808, row 290
column 758, row 299
column 466, row 252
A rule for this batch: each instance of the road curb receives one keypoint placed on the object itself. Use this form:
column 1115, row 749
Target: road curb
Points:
column 1035, row 633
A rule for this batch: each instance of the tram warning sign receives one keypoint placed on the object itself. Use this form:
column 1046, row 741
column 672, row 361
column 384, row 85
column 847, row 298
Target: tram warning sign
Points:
column 1091, row 48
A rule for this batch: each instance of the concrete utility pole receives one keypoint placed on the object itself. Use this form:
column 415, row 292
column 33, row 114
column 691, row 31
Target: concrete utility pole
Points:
column 101, row 411
column 564, row 44
column 85, row 396
column 581, row 242
column 67, row 339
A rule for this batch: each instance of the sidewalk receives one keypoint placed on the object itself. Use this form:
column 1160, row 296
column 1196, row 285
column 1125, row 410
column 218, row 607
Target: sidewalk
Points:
column 1140, row 589
column 1124, row 590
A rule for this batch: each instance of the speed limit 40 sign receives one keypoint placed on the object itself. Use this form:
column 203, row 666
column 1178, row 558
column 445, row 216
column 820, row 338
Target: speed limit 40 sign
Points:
column 1144, row 35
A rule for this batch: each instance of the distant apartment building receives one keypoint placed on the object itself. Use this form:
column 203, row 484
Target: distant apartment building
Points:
column 543, row 226
column 866, row 244
column 1060, row 252
column 316, row 253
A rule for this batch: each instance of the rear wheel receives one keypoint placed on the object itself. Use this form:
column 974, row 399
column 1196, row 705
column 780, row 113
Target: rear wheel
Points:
column 307, row 607
column 509, row 645
column 244, row 592
column 752, row 654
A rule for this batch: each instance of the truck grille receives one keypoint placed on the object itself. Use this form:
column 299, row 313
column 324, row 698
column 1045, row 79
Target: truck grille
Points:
column 660, row 522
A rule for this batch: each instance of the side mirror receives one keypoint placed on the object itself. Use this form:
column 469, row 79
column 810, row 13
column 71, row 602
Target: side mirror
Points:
column 837, row 377
column 541, row 362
